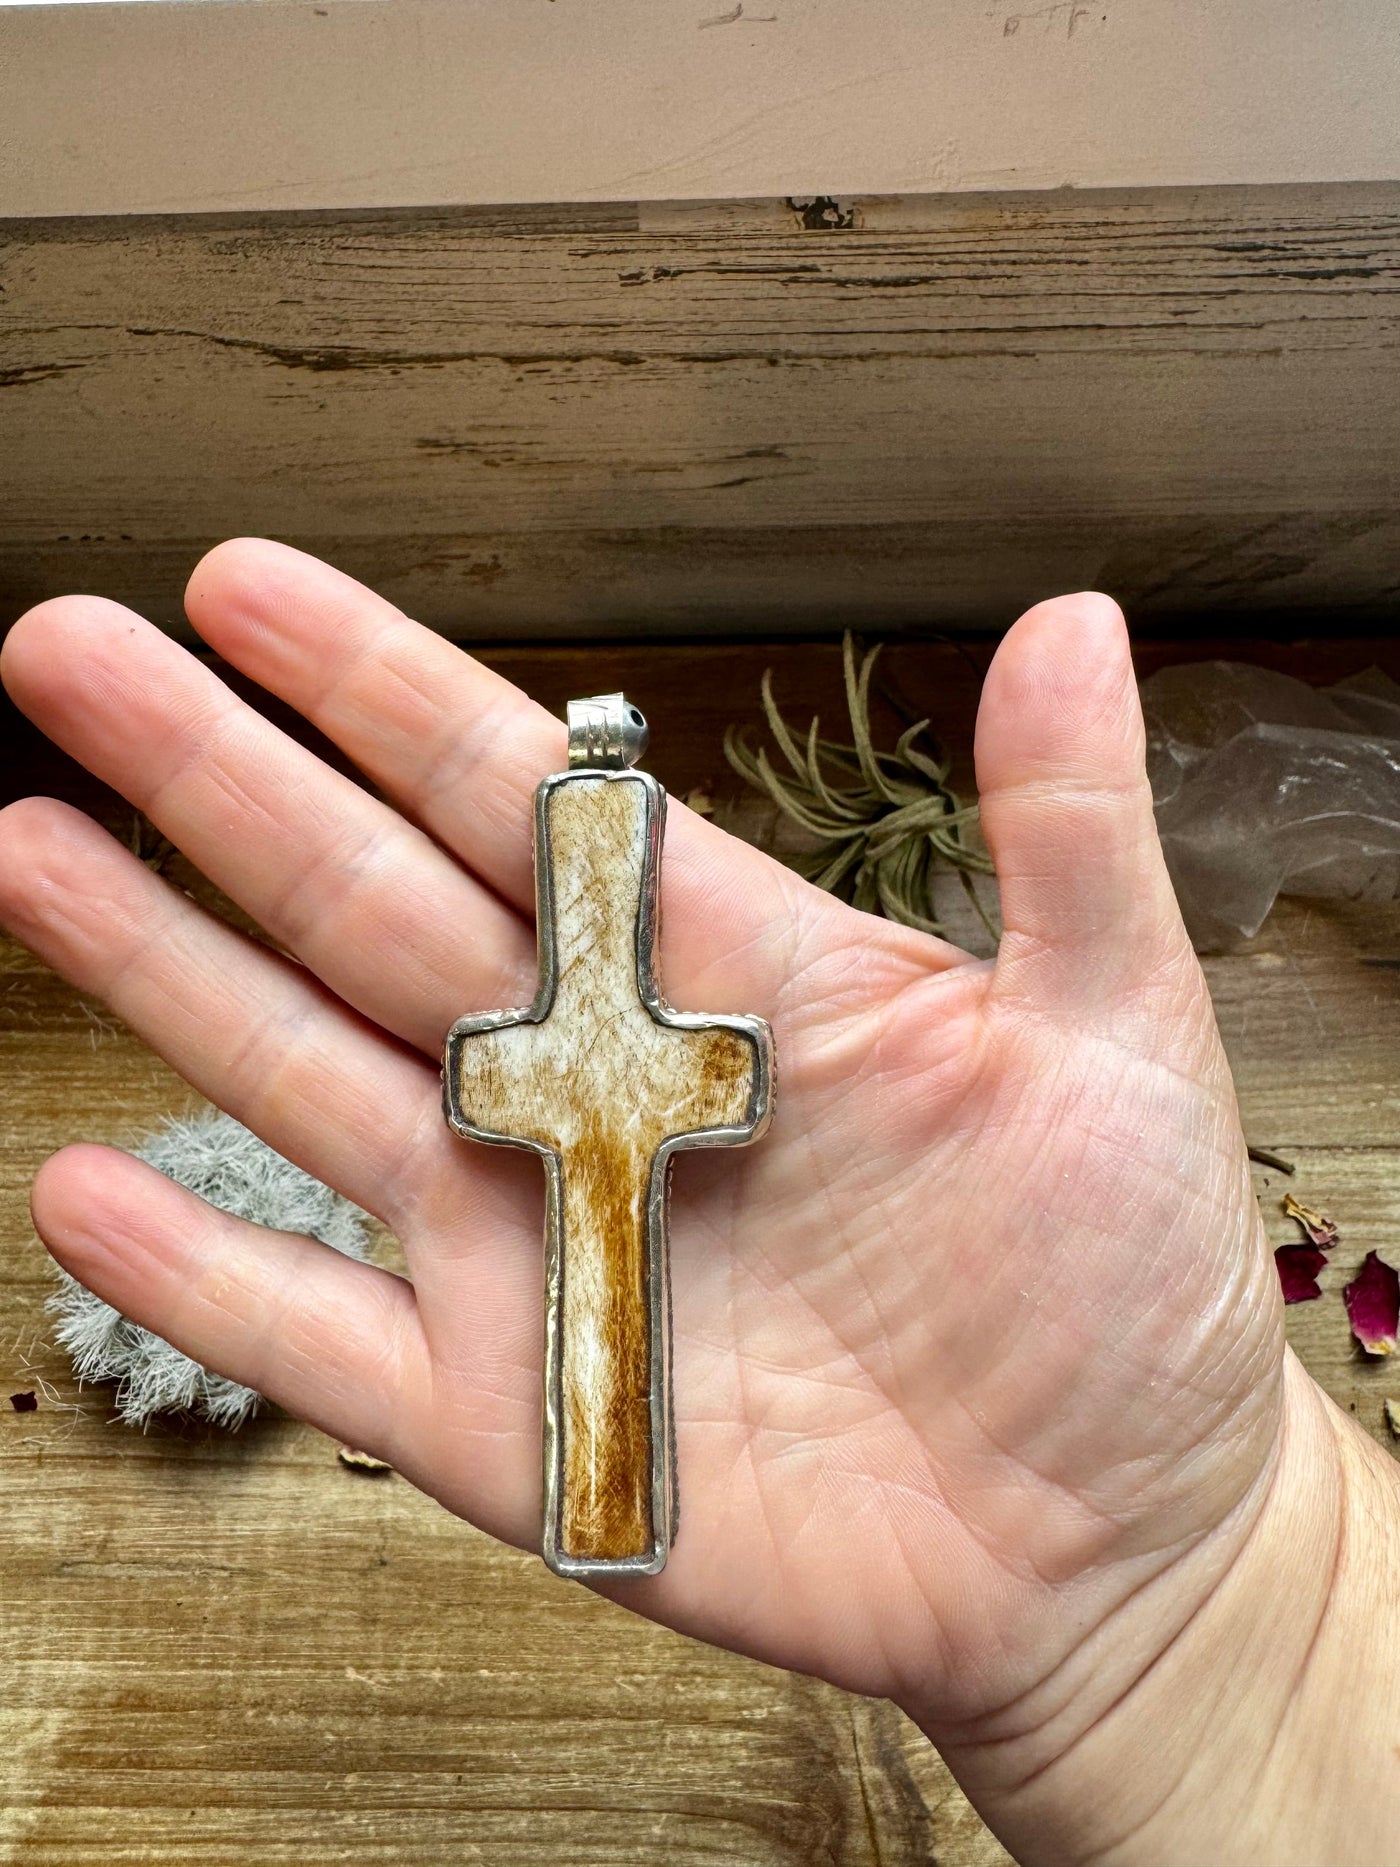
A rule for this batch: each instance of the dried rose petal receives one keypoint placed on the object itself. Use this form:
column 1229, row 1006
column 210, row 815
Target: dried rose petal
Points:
column 25, row 1403
column 1298, row 1266
column 1373, row 1305
column 1321, row 1230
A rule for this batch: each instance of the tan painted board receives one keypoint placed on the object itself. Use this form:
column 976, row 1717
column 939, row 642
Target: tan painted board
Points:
column 623, row 421
column 199, row 105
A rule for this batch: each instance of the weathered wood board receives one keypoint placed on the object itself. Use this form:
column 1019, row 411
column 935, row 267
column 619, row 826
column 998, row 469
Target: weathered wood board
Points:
column 722, row 418
column 226, row 1651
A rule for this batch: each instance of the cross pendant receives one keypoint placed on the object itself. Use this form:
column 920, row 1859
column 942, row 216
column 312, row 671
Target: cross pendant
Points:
column 606, row 1083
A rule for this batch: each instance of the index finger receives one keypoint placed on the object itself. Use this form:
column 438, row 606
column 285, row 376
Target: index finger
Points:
column 460, row 751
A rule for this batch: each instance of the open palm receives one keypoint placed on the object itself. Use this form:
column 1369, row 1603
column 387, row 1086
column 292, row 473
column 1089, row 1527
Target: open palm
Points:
column 973, row 1350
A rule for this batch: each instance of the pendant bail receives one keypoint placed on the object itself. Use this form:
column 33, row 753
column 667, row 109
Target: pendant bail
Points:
column 606, row 733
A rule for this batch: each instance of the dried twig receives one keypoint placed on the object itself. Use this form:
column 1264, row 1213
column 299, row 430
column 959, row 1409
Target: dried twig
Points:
column 1266, row 1157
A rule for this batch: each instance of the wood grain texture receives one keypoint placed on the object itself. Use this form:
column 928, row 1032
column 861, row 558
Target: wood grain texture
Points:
column 601, row 1084
column 231, row 1652
column 718, row 418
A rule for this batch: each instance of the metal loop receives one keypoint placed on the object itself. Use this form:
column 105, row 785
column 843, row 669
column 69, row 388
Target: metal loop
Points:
column 606, row 733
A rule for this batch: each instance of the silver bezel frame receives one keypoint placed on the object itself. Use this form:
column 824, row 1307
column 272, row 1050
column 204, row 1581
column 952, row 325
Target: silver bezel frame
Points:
column 665, row 1494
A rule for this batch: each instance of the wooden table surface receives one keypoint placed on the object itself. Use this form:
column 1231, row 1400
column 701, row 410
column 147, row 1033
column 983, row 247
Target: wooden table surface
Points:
column 231, row 1649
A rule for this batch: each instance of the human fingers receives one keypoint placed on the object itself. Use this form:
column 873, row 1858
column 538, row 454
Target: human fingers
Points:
column 248, row 1028
column 1086, row 902
column 461, row 751
column 368, row 901
column 337, row 1342
column 259, row 1036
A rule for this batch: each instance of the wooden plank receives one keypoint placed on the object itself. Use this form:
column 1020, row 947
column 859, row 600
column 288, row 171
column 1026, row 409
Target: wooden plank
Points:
column 720, row 419
column 385, row 102
column 224, row 1650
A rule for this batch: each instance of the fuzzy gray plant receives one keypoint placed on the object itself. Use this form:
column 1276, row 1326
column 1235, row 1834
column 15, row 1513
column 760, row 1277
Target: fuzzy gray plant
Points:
column 220, row 1160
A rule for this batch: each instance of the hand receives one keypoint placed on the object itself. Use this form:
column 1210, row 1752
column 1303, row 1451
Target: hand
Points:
column 982, row 1396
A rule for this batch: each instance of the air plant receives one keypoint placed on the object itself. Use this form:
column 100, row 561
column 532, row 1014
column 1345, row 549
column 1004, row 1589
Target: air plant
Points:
column 882, row 823
column 217, row 1158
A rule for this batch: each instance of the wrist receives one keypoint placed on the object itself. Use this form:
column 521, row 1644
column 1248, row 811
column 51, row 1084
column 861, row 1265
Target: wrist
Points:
column 1241, row 1707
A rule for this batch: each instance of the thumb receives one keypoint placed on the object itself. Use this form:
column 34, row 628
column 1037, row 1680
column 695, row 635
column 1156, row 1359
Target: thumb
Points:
column 1087, row 905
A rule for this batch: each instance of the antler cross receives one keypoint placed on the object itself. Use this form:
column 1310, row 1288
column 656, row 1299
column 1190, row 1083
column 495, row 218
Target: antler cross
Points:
column 606, row 1083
